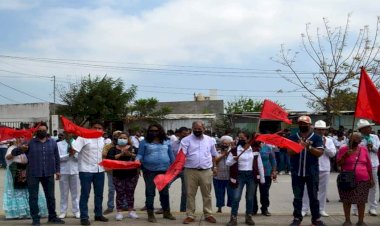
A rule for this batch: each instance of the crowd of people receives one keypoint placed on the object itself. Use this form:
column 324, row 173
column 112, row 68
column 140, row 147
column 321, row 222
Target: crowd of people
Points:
column 229, row 165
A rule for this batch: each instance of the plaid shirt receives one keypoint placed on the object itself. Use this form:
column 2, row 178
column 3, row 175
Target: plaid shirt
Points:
column 43, row 158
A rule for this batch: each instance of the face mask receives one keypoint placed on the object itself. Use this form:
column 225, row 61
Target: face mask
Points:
column 153, row 134
column 122, row 142
column 304, row 129
column 225, row 147
column 197, row 133
column 241, row 143
column 41, row 134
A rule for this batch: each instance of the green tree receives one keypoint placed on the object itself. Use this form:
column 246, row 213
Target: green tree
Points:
column 146, row 109
column 99, row 98
column 341, row 100
column 337, row 59
column 243, row 104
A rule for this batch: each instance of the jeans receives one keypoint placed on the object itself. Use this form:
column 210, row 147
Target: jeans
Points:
column 48, row 186
column 111, row 191
column 298, row 186
column 283, row 161
column 86, row 179
column 244, row 178
column 3, row 163
column 221, row 186
column 264, row 195
column 150, row 191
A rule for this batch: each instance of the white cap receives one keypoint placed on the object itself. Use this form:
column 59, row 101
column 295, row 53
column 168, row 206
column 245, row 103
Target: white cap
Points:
column 320, row 124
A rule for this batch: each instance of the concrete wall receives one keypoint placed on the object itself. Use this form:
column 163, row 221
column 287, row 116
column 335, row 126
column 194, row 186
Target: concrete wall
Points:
column 24, row 112
column 194, row 107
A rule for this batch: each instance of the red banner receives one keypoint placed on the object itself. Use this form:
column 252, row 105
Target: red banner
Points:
column 9, row 133
column 368, row 99
column 71, row 127
column 280, row 142
column 116, row 164
column 162, row 180
column 273, row 111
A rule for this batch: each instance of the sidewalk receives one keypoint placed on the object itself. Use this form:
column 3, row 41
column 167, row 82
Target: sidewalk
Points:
column 222, row 219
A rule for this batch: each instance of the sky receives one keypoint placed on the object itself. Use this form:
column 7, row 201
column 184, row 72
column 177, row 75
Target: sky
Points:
column 169, row 49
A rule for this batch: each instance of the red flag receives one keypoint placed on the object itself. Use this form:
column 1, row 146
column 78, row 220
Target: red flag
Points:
column 368, row 99
column 70, row 127
column 116, row 164
column 162, row 180
column 280, row 141
column 273, row 111
column 9, row 133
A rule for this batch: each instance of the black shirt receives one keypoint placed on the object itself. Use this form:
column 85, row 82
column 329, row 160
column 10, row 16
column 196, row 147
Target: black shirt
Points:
column 119, row 172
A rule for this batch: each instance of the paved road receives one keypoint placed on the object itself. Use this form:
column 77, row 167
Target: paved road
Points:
column 281, row 207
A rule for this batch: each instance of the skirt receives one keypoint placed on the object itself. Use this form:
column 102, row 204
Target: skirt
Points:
column 16, row 201
column 358, row 195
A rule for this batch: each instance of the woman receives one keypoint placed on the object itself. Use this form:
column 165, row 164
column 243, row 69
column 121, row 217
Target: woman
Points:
column 125, row 181
column 246, row 168
column 270, row 167
column 16, row 195
column 346, row 159
column 223, row 175
column 156, row 155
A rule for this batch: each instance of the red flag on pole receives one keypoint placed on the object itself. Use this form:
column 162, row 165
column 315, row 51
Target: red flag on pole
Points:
column 273, row 111
column 280, row 142
column 368, row 99
column 117, row 164
column 162, row 180
column 71, row 127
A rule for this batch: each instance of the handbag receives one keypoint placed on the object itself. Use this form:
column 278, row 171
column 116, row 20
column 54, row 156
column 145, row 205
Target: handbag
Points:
column 346, row 180
column 18, row 171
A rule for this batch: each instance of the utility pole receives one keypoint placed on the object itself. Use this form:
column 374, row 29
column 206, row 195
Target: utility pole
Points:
column 54, row 93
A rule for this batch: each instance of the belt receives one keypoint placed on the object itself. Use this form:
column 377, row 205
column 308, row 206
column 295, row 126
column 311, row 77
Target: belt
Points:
column 198, row 168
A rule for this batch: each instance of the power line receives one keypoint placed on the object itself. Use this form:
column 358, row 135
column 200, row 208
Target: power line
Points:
column 20, row 91
column 7, row 98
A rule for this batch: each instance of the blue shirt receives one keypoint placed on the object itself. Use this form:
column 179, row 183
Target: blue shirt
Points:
column 43, row 157
column 268, row 159
column 305, row 164
column 155, row 156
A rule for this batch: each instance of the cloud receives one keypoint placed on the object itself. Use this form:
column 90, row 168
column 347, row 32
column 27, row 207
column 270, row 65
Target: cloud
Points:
column 199, row 32
column 16, row 4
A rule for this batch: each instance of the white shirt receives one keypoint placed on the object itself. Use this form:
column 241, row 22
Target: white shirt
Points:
column 19, row 158
column 375, row 148
column 329, row 152
column 173, row 138
column 90, row 154
column 338, row 143
column 136, row 141
column 245, row 162
column 69, row 164
column 199, row 151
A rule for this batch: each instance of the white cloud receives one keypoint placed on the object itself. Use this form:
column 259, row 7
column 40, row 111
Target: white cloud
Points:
column 16, row 4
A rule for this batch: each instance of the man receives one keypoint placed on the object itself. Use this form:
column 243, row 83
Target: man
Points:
column 55, row 135
column 43, row 163
column 320, row 129
column 372, row 142
column 111, row 186
column 90, row 155
column 305, row 170
column 200, row 154
column 136, row 139
column 182, row 133
column 69, row 176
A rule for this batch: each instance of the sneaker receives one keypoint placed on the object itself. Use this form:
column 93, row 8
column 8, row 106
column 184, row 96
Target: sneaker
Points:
column 55, row 221
column 355, row 213
column 304, row 213
column 119, row 216
column 281, row 173
column 318, row 223
column 77, row 215
column 62, row 216
column 323, row 213
column 132, row 214
column 85, row 222
column 372, row 212
column 36, row 223
column 296, row 222
column 159, row 211
column 107, row 211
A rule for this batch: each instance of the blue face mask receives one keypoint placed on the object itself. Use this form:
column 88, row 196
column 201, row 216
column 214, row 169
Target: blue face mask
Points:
column 122, row 142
